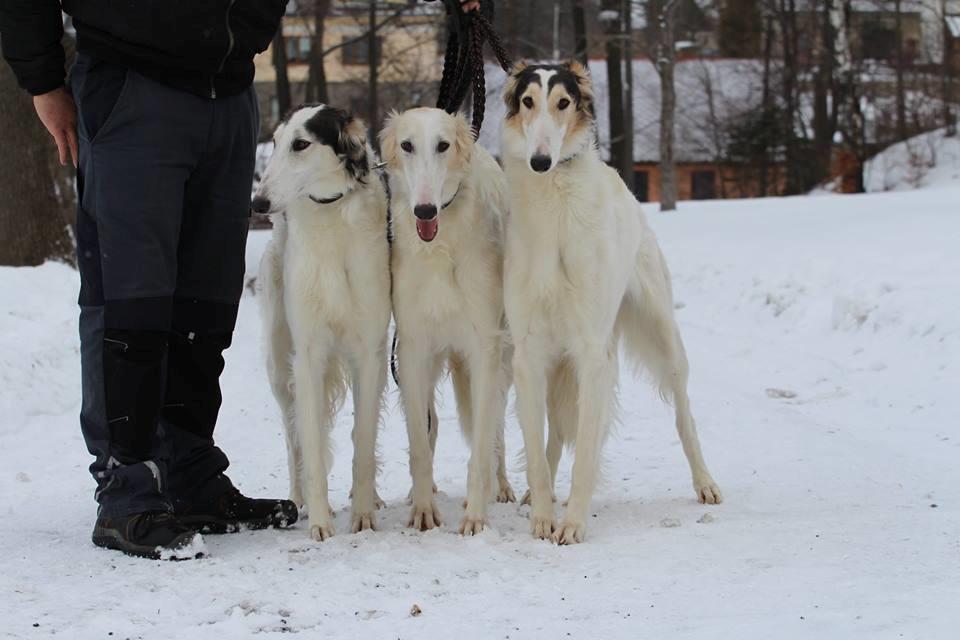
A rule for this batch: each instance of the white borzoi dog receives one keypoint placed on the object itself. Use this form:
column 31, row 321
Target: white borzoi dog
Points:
column 447, row 205
column 582, row 270
column 325, row 292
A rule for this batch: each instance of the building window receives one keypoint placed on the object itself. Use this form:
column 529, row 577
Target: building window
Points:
column 641, row 185
column 878, row 40
column 358, row 52
column 953, row 26
column 703, row 185
column 298, row 49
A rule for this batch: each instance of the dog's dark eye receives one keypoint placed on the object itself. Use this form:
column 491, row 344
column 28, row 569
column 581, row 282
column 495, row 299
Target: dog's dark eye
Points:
column 300, row 144
column 528, row 102
column 407, row 146
column 563, row 104
column 443, row 146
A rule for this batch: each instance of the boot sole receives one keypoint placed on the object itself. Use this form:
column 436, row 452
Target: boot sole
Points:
column 206, row 524
column 111, row 539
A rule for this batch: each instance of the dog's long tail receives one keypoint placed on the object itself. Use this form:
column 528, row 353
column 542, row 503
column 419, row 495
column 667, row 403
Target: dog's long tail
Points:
column 647, row 326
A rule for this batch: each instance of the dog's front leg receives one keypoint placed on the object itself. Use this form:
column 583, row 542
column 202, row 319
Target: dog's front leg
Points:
column 313, row 421
column 484, row 364
column 415, row 383
column 596, row 382
column 529, row 369
column 369, row 380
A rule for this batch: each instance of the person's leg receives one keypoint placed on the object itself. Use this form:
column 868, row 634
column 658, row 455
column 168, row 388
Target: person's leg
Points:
column 134, row 154
column 210, row 276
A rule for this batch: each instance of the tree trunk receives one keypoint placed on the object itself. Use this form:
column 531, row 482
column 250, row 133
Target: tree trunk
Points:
column 373, row 76
column 284, row 101
column 791, row 101
column 626, row 166
column 767, row 105
column 946, row 78
column 854, row 122
column 899, row 62
column 32, row 226
column 666, row 60
column 509, row 13
column 317, row 75
column 822, row 83
column 579, row 31
column 614, row 53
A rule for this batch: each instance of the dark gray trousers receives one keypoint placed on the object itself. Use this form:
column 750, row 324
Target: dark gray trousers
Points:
column 163, row 211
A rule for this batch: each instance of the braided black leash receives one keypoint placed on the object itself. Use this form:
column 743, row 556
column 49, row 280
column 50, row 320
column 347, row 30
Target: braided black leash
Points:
column 462, row 64
column 463, row 59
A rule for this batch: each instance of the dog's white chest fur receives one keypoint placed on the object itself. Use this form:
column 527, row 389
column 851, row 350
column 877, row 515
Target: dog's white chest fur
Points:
column 569, row 252
column 452, row 279
column 337, row 264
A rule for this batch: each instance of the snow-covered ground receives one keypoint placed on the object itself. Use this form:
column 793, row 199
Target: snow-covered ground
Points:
column 824, row 337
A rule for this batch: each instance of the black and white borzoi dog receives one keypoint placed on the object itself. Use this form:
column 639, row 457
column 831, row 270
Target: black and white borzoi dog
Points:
column 325, row 292
column 582, row 271
column 447, row 204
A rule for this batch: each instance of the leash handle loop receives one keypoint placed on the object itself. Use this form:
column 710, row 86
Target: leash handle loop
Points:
column 463, row 66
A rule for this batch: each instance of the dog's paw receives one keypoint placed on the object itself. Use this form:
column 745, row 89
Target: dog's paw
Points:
column 362, row 521
column 296, row 497
column 570, row 532
column 410, row 494
column 378, row 501
column 707, row 491
column 321, row 531
column 425, row 517
column 471, row 525
column 526, row 498
column 506, row 494
column 542, row 527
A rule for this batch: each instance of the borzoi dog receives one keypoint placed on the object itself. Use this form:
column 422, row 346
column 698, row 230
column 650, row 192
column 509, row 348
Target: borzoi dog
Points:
column 447, row 205
column 582, row 270
column 325, row 291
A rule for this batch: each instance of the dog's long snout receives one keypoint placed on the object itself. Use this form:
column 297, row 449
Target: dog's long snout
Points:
column 425, row 211
column 260, row 204
column 540, row 163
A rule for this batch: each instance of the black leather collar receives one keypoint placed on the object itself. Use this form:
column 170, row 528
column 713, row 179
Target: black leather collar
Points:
column 329, row 200
column 452, row 198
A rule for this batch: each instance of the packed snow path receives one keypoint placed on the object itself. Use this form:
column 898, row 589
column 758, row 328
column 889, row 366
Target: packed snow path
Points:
column 824, row 340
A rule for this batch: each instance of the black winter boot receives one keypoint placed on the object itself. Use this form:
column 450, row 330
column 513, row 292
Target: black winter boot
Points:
column 154, row 534
column 221, row 508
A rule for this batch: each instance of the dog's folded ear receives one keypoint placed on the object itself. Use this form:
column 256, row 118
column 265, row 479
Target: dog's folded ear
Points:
column 353, row 147
column 584, row 84
column 463, row 142
column 388, row 138
column 510, row 97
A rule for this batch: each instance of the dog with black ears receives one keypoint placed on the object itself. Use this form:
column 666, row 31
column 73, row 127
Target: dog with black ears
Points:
column 583, row 273
column 324, row 287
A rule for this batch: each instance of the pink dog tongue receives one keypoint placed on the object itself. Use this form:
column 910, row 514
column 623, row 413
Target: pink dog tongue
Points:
column 427, row 229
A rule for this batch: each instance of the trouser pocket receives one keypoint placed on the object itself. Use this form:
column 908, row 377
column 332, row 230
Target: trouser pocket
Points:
column 97, row 87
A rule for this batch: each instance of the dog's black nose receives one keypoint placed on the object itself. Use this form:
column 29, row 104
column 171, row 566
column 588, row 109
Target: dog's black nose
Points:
column 260, row 204
column 540, row 163
column 425, row 211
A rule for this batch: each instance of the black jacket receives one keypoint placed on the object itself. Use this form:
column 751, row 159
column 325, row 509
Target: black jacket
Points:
column 205, row 47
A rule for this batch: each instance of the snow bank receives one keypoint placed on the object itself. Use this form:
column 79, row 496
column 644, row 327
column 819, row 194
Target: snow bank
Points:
column 824, row 340
column 927, row 160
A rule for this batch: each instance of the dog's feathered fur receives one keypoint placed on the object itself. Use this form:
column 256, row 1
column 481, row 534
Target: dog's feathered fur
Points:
column 582, row 271
column 448, row 299
column 325, row 291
